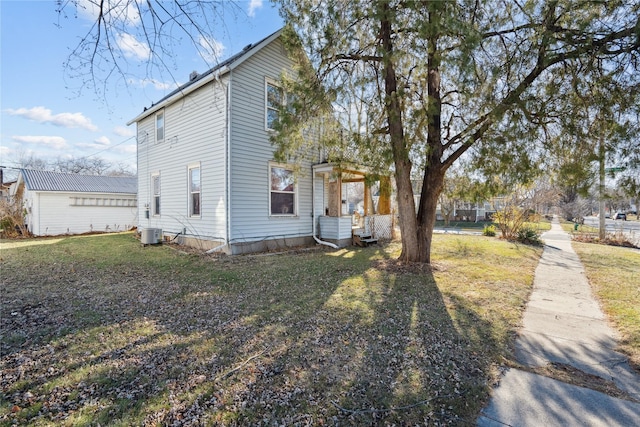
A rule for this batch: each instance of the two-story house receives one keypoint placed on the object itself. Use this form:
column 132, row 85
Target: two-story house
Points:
column 206, row 170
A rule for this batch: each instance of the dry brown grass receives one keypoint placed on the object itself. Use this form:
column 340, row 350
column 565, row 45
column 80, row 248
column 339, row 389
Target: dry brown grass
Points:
column 99, row 330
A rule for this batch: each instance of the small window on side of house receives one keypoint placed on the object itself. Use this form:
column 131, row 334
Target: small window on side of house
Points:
column 195, row 188
column 155, row 205
column 160, row 126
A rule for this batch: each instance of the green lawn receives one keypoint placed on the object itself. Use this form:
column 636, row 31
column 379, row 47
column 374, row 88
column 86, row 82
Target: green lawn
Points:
column 614, row 274
column 100, row 330
column 470, row 226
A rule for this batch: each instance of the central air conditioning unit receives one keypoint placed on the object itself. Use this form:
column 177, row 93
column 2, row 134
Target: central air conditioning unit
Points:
column 151, row 236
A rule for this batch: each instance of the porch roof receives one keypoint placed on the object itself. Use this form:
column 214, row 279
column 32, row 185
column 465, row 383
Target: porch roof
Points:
column 345, row 169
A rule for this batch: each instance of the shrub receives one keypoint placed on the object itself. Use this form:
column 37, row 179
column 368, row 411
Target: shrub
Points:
column 489, row 230
column 528, row 236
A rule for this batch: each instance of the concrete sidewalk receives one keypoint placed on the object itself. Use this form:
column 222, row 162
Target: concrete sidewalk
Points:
column 563, row 323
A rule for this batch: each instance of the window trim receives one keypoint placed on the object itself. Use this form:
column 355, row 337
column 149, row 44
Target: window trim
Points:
column 190, row 193
column 287, row 167
column 156, row 209
column 271, row 82
column 160, row 113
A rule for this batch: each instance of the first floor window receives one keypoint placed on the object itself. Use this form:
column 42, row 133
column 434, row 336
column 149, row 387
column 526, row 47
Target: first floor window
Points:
column 194, row 191
column 282, row 191
column 155, row 179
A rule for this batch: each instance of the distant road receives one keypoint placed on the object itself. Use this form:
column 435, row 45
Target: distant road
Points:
column 629, row 228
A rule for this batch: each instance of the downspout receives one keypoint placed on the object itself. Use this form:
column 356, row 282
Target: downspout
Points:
column 212, row 250
column 227, row 161
column 313, row 211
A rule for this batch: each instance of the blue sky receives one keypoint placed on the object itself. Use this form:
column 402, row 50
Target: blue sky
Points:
column 41, row 111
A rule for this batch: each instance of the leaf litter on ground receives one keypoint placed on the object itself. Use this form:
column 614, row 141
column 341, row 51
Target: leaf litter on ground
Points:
column 154, row 336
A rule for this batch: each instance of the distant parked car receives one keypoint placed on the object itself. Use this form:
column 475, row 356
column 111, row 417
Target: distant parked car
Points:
column 620, row 215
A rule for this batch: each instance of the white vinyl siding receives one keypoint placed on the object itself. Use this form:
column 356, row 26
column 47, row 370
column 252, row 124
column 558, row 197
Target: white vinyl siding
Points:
column 54, row 213
column 251, row 152
column 197, row 134
column 229, row 138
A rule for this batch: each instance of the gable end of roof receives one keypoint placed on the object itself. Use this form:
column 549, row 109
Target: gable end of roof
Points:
column 216, row 72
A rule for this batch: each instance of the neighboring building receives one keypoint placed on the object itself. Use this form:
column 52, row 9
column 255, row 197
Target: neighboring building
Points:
column 61, row 203
column 206, row 172
column 4, row 188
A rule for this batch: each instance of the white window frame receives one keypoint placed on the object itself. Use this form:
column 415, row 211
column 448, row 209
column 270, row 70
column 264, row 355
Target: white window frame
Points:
column 163, row 129
column 156, row 209
column 271, row 82
column 273, row 165
column 190, row 191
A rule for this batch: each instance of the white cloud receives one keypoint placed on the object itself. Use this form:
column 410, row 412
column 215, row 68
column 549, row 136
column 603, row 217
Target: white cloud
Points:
column 253, row 5
column 103, row 140
column 126, row 12
column 133, row 48
column 44, row 115
column 124, row 131
column 100, row 143
column 157, row 84
column 56, row 142
column 212, row 49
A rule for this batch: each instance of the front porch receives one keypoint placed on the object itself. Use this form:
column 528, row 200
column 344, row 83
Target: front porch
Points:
column 371, row 219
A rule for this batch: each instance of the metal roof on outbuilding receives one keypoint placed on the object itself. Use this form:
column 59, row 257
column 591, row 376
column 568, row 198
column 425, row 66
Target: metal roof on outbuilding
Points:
column 69, row 182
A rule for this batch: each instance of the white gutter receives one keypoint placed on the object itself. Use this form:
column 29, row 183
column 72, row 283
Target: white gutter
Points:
column 313, row 211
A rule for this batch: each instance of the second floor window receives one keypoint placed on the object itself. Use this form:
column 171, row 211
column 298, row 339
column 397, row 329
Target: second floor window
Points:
column 160, row 126
column 274, row 101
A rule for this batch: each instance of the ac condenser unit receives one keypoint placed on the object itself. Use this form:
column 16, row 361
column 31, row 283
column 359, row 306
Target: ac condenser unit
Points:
column 151, row 236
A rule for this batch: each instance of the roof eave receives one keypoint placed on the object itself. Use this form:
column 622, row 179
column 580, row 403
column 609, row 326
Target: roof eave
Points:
column 180, row 94
column 254, row 49
column 215, row 75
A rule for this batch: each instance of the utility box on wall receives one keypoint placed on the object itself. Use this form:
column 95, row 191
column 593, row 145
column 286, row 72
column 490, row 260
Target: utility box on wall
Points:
column 151, row 236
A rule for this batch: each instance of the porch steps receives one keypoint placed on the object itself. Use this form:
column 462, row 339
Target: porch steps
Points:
column 361, row 238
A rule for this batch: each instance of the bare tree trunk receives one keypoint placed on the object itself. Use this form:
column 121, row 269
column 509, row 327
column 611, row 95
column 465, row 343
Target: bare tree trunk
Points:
column 406, row 205
column 431, row 188
column 433, row 180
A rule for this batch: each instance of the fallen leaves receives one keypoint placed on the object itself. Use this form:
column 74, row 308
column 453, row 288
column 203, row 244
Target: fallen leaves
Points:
column 301, row 339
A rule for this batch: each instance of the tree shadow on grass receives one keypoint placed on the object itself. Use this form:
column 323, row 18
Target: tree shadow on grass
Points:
column 307, row 340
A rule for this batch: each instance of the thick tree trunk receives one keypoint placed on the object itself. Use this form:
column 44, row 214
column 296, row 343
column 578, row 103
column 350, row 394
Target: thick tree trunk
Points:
column 431, row 188
column 384, row 202
column 433, row 180
column 406, row 205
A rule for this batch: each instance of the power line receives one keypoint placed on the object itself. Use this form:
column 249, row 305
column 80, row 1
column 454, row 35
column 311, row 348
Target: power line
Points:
column 108, row 148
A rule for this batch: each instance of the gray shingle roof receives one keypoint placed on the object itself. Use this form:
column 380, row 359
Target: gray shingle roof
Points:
column 69, row 182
